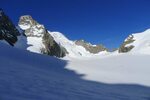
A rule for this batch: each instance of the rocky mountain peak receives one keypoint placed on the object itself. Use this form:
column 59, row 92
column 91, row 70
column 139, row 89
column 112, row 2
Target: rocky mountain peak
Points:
column 31, row 27
column 39, row 38
column 27, row 20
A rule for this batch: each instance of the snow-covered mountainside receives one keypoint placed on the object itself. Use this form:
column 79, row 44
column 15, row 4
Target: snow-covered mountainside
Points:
column 141, row 43
column 30, row 76
column 138, row 43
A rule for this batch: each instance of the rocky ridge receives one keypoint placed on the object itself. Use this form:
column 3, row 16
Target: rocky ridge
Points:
column 91, row 48
column 8, row 31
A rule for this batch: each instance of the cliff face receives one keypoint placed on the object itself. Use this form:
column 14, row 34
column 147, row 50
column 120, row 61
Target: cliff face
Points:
column 8, row 31
column 51, row 47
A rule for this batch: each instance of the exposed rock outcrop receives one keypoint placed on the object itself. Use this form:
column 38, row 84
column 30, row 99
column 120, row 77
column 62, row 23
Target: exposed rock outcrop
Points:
column 125, row 47
column 8, row 30
column 89, row 47
column 51, row 47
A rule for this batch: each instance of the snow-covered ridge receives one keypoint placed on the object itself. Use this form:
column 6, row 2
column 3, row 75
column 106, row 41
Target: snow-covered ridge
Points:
column 73, row 49
column 141, row 42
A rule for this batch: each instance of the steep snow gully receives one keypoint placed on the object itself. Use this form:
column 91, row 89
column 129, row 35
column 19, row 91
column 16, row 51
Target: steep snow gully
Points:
column 30, row 76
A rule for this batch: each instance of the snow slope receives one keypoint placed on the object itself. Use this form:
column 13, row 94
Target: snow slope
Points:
column 141, row 43
column 123, row 68
column 29, row 76
column 32, row 44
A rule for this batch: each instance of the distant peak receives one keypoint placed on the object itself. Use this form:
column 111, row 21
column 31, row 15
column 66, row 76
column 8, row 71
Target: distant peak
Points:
column 89, row 47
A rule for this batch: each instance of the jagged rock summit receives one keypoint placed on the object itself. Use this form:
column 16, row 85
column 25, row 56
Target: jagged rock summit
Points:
column 31, row 27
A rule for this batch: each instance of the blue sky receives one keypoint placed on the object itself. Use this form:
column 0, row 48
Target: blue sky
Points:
column 97, row 21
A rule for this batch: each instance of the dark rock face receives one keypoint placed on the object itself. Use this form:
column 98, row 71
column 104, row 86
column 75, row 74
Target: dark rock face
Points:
column 89, row 47
column 51, row 47
column 124, row 48
column 8, row 30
